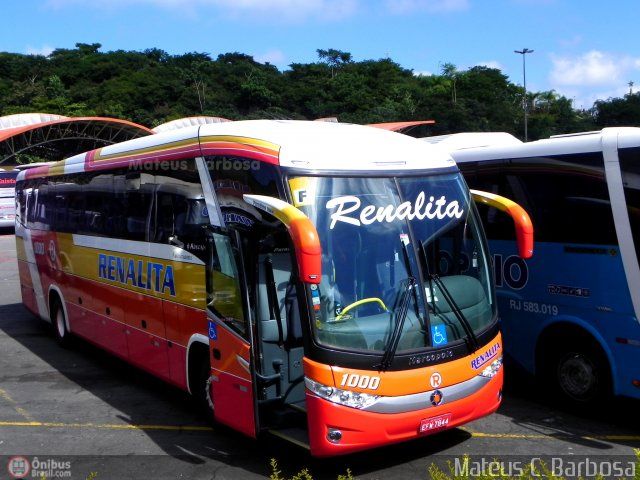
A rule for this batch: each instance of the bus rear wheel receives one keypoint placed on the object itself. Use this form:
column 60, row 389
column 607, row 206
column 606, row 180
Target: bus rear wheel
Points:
column 579, row 373
column 59, row 324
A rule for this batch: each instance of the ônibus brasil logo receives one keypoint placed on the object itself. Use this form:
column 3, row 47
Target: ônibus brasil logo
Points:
column 18, row 467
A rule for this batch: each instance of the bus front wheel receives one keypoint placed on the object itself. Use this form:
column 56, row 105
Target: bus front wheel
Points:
column 578, row 372
column 201, row 392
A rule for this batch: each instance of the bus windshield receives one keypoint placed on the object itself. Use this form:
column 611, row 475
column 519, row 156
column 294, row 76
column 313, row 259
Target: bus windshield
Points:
column 396, row 250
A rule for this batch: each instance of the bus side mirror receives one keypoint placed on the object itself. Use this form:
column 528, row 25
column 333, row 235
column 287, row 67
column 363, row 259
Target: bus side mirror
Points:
column 521, row 219
column 302, row 231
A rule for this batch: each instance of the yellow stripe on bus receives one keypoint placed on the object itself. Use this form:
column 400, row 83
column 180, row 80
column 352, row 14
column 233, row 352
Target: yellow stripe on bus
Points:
column 253, row 142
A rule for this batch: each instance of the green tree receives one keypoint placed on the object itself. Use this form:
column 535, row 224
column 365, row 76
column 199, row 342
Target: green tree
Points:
column 152, row 86
column 334, row 58
column 618, row 111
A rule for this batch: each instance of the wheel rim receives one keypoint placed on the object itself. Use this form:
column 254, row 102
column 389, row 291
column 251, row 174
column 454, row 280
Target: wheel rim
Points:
column 60, row 323
column 577, row 376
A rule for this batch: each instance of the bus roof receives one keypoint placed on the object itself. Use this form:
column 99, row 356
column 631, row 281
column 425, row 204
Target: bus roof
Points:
column 459, row 141
column 27, row 166
column 584, row 142
column 187, row 122
column 317, row 146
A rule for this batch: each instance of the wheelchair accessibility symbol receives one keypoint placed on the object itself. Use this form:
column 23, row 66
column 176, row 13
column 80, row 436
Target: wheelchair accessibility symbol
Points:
column 439, row 335
column 213, row 331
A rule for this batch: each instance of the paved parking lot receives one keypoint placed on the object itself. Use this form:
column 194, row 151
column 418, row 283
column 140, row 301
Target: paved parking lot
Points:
column 84, row 406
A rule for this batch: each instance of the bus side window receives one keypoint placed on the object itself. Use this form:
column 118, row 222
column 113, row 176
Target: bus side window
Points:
column 137, row 206
column 132, row 199
column 180, row 214
column 97, row 192
column 45, row 205
column 630, row 166
column 20, row 204
column 75, row 209
column 566, row 205
column 171, row 216
column 494, row 178
column 59, row 202
column 30, row 201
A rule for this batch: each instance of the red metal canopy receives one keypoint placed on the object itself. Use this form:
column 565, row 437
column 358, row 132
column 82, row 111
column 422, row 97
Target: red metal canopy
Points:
column 402, row 127
column 54, row 137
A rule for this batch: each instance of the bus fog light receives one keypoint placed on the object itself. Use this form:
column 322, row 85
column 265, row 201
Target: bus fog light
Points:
column 334, row 436
column 341, row 397
column 492, row 369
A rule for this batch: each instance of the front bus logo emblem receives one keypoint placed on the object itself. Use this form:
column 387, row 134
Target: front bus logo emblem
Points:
column 436, row 380
column 436, row 398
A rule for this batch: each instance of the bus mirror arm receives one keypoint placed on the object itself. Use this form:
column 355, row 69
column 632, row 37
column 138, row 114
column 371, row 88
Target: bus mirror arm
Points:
column 303, row 233
column 521, row 219
column 175, row 241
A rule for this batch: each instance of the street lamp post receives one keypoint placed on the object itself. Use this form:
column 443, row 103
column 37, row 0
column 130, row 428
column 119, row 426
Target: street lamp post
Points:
column 524, row 52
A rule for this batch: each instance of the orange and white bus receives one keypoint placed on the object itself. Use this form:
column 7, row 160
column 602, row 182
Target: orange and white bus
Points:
column 329, row 283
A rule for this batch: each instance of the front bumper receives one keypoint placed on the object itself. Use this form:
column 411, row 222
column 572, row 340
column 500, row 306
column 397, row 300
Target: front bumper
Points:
column 361, row 430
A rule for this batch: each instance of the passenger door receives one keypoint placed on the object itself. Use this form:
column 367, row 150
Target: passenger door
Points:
column 230, row 337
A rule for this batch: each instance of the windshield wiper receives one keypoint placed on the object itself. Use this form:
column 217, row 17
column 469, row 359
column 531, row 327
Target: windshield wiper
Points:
column 472, row 338
column 407, row 266
column 401, row 315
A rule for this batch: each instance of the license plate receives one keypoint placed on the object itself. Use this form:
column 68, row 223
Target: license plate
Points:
column 435, row 423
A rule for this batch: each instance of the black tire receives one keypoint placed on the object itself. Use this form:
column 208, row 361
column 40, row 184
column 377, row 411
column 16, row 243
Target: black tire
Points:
column 578, row 372
column 59, row 324
column 201, row 389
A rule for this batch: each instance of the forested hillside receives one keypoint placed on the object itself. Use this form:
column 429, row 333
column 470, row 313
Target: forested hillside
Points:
column 151, row 87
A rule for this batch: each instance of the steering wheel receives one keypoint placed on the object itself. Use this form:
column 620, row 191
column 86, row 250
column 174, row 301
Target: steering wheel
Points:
column 361, row 302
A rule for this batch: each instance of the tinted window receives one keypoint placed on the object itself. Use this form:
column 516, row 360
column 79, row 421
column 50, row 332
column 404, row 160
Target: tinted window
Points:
column 98, row 209
column 232, row 178
column 566, row 196
column 44, row 208
column 491, row 177
column 172, row 211
column 133, row 197
column 30, row 203
column 75, row 202
column 630, row 165
column 180, row 210
column 21, row 203
column 106, row 204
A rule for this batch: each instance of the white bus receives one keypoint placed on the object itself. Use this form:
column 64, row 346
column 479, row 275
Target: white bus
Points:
column 284, row 273
column 570, row 313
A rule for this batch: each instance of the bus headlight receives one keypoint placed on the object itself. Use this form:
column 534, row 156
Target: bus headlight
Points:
column 493, row 369
column 341, row 397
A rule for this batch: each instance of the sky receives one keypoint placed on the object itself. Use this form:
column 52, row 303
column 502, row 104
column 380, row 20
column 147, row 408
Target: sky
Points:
column 583, row 49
